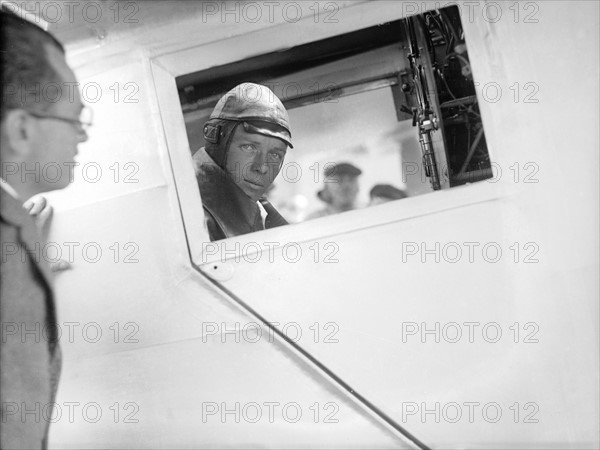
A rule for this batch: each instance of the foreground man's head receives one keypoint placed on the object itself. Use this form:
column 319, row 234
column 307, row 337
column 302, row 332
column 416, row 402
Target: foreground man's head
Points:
column 40, row 113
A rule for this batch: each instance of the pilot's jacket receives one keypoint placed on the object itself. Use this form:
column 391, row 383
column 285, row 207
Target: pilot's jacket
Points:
column 228, row 210
column 29, row 353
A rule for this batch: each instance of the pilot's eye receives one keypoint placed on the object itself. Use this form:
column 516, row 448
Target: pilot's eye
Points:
column 248, row 147
column 276, row 156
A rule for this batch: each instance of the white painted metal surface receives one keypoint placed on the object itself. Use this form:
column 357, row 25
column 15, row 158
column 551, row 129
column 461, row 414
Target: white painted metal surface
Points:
column 544, row 385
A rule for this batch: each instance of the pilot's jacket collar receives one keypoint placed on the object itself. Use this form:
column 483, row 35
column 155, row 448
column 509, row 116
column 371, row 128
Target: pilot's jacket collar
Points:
column 234, row 212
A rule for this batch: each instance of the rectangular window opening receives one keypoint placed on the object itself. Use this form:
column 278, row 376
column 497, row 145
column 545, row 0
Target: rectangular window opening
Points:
column 396, row 101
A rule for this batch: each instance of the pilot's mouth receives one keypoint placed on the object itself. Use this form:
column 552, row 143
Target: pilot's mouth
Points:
column 253, row 183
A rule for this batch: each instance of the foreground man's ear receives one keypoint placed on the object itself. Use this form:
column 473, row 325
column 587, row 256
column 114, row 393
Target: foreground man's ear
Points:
column 18, row 131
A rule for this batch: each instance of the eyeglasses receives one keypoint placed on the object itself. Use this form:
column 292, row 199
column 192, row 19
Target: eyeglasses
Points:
column 84, row 122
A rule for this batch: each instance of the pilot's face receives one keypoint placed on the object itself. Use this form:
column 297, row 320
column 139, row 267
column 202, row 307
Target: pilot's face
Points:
column 254, row 161
column 343, row 190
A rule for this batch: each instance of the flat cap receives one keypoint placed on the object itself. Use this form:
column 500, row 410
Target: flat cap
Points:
column 342, row 168
column 387, row 191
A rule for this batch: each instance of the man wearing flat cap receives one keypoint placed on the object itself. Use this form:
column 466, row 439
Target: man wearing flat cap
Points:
column 247, row 136
column 340, row 189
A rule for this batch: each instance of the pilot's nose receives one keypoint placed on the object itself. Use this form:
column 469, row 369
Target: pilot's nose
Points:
column 259, row 163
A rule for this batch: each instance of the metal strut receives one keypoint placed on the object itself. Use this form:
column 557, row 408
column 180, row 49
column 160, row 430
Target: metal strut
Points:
column 423, row 115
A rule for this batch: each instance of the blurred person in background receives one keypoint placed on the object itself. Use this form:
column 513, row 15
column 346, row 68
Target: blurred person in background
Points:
column 340, row 190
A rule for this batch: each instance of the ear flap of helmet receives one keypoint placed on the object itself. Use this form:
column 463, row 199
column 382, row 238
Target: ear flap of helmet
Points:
column 212, row 133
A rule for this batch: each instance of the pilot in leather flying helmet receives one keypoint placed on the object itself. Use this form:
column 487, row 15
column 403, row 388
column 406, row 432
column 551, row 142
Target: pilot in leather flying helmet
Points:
column 247, row 136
